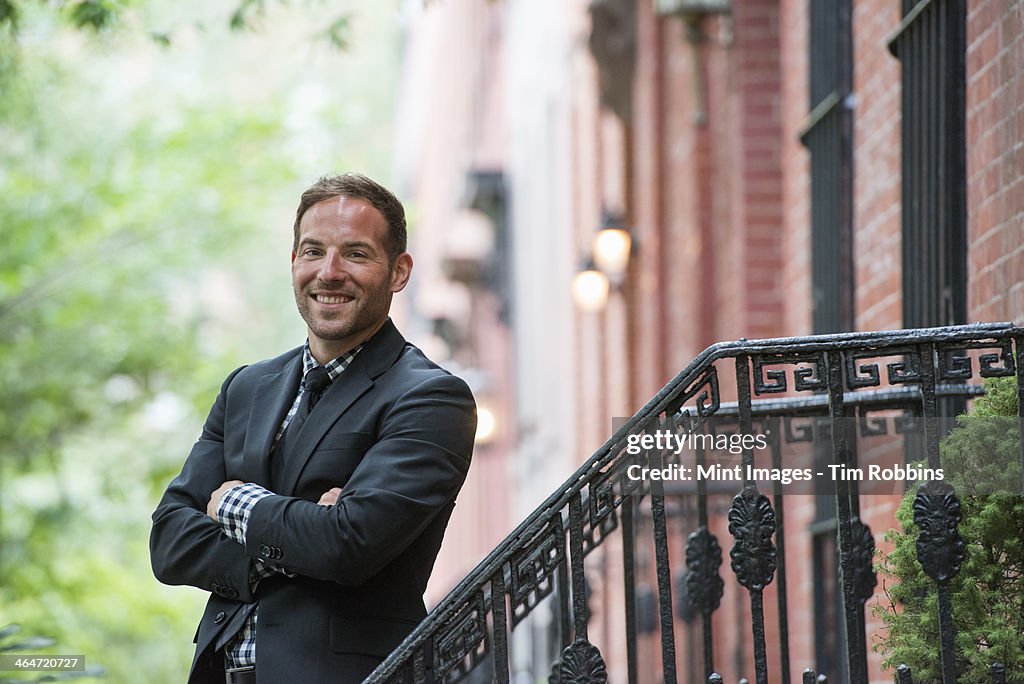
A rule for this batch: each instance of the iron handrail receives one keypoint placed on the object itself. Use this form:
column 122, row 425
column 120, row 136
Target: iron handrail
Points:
column 670, row 401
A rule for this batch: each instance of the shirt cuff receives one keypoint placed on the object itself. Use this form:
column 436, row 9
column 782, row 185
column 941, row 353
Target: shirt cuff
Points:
column 235, row 507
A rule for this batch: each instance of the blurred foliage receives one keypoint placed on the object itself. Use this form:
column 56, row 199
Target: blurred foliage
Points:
column 14, row 643
column 102, row 15
column 101, row 226
column 981, row 459
column 146, row 200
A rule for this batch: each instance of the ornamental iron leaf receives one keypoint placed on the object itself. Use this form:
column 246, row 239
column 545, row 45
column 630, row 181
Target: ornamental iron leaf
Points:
column 581, row 664
column 940, row 548
column 864, row 578
column 704, row 585
column 752, row 523
column 554, row 677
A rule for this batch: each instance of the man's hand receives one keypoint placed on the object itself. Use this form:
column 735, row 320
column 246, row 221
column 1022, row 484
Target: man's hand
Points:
column 330, row 497
column 211, row 507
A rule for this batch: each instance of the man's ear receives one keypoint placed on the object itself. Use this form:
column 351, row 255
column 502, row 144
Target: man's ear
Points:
column 401, row 271
column 293, row 256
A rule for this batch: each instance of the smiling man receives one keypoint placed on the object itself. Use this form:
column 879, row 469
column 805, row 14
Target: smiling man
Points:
column 313, row 505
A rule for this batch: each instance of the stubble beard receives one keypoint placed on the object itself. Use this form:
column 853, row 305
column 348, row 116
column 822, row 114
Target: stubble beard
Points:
column 365, row 313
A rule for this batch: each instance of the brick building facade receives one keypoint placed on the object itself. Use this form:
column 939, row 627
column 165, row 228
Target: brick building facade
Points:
column 762, row 168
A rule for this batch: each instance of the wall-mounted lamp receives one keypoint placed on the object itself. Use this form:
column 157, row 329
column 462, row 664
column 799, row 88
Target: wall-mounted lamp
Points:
column 606, row 267
column 691, row 8
column 693, row 13
column 590, row 289
column 486, row 424
column 612, row 247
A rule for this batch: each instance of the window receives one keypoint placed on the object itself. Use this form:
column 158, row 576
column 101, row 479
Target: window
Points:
column 828, row 136
column 930, row 43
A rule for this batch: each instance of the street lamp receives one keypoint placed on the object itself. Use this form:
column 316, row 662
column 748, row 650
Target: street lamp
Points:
column 612, row 246
column 590, row 289
column 486, row 425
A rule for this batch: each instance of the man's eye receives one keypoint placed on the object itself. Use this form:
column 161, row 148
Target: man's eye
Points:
column 312, row 252
column 357, row 255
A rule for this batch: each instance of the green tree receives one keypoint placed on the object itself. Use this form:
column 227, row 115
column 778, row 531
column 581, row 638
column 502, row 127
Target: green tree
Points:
column 146, row 200
column 102, row 226
column 981, row 459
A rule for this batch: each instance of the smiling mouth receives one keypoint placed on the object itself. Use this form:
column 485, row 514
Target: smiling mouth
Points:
column 332, row 299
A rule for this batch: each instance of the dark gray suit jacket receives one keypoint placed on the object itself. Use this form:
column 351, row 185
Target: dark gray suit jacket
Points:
column 395, row 431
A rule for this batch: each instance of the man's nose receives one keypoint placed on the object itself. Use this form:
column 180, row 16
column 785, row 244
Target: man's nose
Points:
column 333, row 267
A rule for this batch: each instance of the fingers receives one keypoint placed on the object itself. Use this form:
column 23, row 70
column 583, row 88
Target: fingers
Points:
column 211, row 506
column 330, row 497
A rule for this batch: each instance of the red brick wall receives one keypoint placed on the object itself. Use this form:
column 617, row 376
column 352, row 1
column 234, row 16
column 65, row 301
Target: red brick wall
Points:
column 683, row 254
column 795, row 273
column 876, row 153
column 995, row 160
column 758, row 167
column 648, row 297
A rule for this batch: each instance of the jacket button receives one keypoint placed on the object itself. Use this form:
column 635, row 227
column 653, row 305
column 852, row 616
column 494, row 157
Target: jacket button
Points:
column 219, row 619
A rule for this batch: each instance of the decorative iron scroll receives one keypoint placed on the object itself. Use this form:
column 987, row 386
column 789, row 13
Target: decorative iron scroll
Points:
column 906, row 423
column 704, row 585
column 707, row 402
column 797, row 429
column 613, row 485
column 876, row 426
column 940, row 548
column 861, row 561
column 863, row 375
column 869, row 425
column 581, row 663
column 773, row 381
column 533, row 568
column 955, row 364
column 461, row 637
column 601, row 517
column 752, row 524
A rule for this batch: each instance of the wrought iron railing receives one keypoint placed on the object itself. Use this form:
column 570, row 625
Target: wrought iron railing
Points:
column 786, row 390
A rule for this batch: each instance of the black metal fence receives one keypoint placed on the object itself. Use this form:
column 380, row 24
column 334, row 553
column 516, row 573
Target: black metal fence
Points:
column 787, row 391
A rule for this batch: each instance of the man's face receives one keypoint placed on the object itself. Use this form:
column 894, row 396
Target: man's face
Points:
column 340, row 273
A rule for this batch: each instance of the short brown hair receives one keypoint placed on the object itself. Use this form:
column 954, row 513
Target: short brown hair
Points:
column 358, row 186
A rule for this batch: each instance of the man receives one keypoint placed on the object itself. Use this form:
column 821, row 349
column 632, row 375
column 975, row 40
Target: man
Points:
column 313, row 505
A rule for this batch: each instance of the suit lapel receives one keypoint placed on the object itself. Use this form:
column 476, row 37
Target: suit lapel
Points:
column 274, row 396
column 349, row 386
column 377, row 356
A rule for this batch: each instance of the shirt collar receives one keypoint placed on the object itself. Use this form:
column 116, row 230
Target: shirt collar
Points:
column 334, row 367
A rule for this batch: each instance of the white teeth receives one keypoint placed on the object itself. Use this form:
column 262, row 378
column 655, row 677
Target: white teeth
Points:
column 332, row 300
